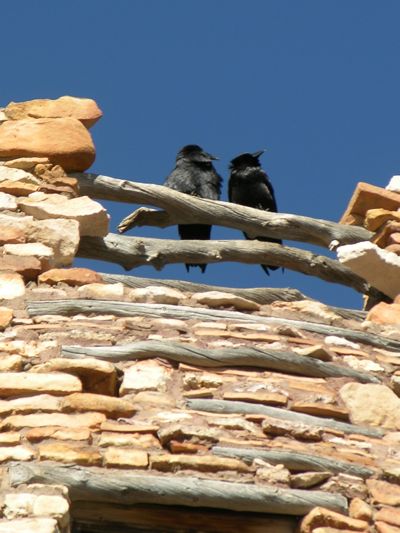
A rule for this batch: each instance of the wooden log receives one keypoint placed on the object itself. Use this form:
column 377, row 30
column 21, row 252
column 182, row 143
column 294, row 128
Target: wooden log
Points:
column 131, row 252
column 295, row 461
column 90, row 484
column 189, row 209
column 229, row 407
column 76, row 306
column 288, row 362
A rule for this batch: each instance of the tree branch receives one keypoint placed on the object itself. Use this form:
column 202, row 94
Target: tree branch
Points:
column 183, row 208
column 131, row 252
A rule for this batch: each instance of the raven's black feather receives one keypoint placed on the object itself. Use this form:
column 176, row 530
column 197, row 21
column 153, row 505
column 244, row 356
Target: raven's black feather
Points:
column 194, row 174
column 249, row 185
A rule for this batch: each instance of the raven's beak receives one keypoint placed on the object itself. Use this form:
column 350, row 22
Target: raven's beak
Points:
column 211, row 157
column 258, row 154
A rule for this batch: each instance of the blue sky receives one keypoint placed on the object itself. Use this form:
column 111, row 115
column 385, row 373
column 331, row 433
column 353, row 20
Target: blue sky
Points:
column 316, row 82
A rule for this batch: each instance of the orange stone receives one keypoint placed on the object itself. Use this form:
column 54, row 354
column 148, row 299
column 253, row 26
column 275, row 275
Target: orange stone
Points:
column 6, row 316
column 390, row 515
column 321, row 517
column 9, row 235
column 29, row 267
column 383, row 313
column 384, row 492
column 70, row 276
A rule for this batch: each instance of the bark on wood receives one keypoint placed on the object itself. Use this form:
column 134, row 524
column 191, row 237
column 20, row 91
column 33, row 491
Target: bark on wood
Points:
column 94, row 518
column 295, row 461
column 131, row 252
column 89, row 484
column 261, row 295
column 228, row 407
column 242, row 356
column 188, row 209
column 76, row 306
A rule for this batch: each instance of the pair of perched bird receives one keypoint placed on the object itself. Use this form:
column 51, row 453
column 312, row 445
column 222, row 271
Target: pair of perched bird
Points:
column 248, row 185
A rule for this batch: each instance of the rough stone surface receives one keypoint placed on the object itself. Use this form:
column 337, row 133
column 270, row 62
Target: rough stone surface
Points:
column 7, row 202
column 84, row 109
column 66, row 453
column 6, row 316
column 145, row 375
column 102, row 291
column 65, row 141
column 92, row 217
column 205, row 463
column 225, row 299
column 321, row 517
column 16, row 453
column 112, row 407
column 53, row 419
column 384, row 411
column 306, row 480
column 155, row 294
column 29, row 525
column 125, row 457
column 384, row 313
column 360, row 509
column 16, row 174
column 389, row 515
column 383, row 492
column 70, row 276
column 375, row 218
column 17, row 384
column 31, row 249
column 26, row 163
column 11, row 286
column 380, row 268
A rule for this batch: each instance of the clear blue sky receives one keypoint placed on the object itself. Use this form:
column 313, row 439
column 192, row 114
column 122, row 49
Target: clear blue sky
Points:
column 316, row 82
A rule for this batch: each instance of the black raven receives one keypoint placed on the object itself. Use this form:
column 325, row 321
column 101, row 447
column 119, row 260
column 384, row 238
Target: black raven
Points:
column 194, row 174
column 249, row 185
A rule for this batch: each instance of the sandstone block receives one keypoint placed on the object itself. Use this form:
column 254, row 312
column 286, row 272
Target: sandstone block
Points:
column 30, row 404
column 11, row 235
column 321, row 517
column 203, row 463
column 305, row 480
column 8, row 174
column 144, row 441
column 66, row 453
column 102, row 291
column 75, row 434
column 7, row 203
column 360, row 509
column 321, row 409
column 53, row 419
column 380, row 268
column 52, row 505
column 83, row 109
column 70, row 276
column 224, row 299
column 11, row 438
column 383, row 492
column 155, row 294
column 147, row 375
column 16, row 453
column 96, row 376
column 28, row 267
column 384, row 411
column 65, row 141
column 18, row 505
column 382, row 527
column 11, row 286
column 31, row 525
column 384, row 313
column 366, row 197
column 267, row 398
column 92, row 217
column 390, row 515
column 22, row 384
column 31, row 249
column 112, row 407
column 18, row 188
column 6, row 316
column 125, row 457
column 376, row 218
column 61, row 235
column 26, row 163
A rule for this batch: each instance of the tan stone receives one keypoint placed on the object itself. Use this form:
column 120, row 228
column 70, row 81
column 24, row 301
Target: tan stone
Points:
column 83, row 109
column 10, row 438
column 70, row 276
column 52, row 419
column 320, row 409
column 144, row 441
column 97, row 376
column 384, row 313
column 39, row 434
column 66, row 453
column 383, row 492
column 92, row 217
column 319, row 351
column 16, row 453
column 199, row 380
column 11, row 363
column 225, row 299
column 305, row 480
column 274, row 474
column 11, row 286
column 31, row 404
column 134, row 427
column 24, row 383
column 18, row 188
column 26, row 163
column 147, row 375
column 8, row 202
column 156, row 294
column 125, row 457
column 11, row 175
column 267, row 398
column 85, row 401
column 6, row 316
column 382, row 527
column 179, row 431
column 10, row 235
column 375, row 218
column 368, row 196
column 276, row 427
column 203, row 463
column 321, row 517
column 383, row 411
column 29, row 525
column 65, row 141
column 28, row 267
column 18, row 505
column 54, row 506
column 102, row 291
column 390, row 515
column 360, row 509
column 31, row 249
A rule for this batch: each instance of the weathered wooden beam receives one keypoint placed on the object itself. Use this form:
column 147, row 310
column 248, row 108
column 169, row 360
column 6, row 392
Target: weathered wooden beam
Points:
column 76, row 306
column 183, row 208
column 90, row 484
column 288, row 362
column 295, row 461
column 228, row 407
